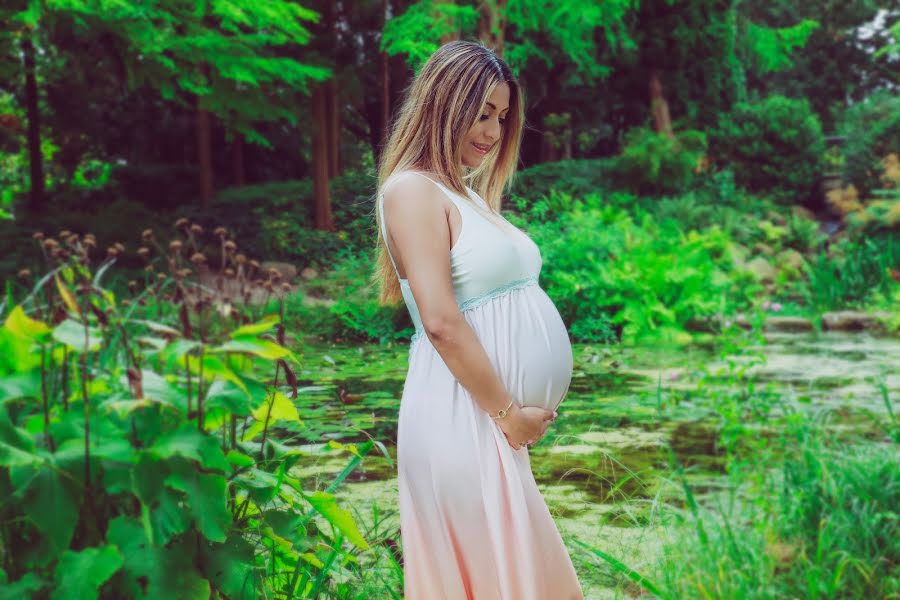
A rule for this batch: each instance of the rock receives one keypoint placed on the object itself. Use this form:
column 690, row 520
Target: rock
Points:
column 788, row 324
column 851, row 320
column 288, row 271
column 762, row 269
column 309, row 273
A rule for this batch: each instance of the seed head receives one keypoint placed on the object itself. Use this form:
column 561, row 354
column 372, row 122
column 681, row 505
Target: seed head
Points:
column 143, row 252
column 147, row 235
column 24, row 274
column 229, row 273
column 230, row 246
column 38, row 235
column 64, row 234
column 160, row 276
column 119, row 246
column 286, row 287
column 182, row 273
column 198, row 259
column 274, row 275
column 254, row 264
column 196, row 229
column 240, row 259
column 112, row 251
column 132, row 285
column 50, row 243
column 220, row 232
column 175, row 245
column 182, row 222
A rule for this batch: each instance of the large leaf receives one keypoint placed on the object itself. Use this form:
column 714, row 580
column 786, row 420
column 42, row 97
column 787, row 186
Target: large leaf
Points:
column 16, row 447
column 23, row 588
column 206, row 498
column 257, row 347
column 326, row 505
column 80, row 574
column 230, row 568
column 50, row 501
column 157, row 572
column 264, row 325
column 72, row 334
column 188, row 442
column 280, row 409
column 24, row 326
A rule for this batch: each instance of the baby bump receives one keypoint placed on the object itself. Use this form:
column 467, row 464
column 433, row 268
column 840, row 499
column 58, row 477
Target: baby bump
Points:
column 528, row 343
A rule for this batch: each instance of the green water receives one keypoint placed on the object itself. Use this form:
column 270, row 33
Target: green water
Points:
column 604, row 466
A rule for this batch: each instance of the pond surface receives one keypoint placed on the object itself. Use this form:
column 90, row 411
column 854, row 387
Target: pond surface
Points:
column 604, row 466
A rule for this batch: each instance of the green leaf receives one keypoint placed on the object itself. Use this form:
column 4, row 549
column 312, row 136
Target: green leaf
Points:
column 16, row 446
column 164, row 572
column 230, row 568
column 282, row 409
column 80, row 574
column 257, row 347
column 225, row 394
column 267, row 323
column 72, row 334
column 22, row 325
column 206, row 498
column 50, row 501
column 326, row 505
column 239, row 459
column 188, row 442
column 23, row 588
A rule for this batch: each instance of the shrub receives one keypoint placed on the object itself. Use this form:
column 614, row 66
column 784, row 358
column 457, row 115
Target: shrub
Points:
column 775, row 146
column 872, row 128
column 655, row 164
column 574, row 177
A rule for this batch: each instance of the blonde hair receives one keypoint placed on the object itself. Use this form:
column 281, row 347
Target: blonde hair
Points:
column 443, row 102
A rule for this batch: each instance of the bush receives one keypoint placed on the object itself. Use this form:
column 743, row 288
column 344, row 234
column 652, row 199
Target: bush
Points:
column 872, row 128
column 774, row 145
column 653, row 163
column 575, row 177
column 276, row 220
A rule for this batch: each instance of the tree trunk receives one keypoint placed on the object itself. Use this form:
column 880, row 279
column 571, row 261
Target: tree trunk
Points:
column 492, row 25
column 332, row 107
column 32, row 111
column 204, row 154
column 320, row 159
column 237, row 160
column 659, row 107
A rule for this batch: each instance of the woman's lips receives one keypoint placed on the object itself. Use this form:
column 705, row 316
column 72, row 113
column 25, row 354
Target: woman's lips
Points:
column 482, row 150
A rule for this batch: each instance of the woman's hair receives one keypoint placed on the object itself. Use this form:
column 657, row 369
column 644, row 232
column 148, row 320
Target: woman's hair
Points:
column 441, row 105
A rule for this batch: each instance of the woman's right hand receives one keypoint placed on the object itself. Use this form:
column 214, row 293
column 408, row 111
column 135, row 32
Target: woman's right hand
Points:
column 525, row 424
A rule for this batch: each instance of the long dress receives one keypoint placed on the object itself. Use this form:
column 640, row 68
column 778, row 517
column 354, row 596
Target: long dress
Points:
column 473, row 523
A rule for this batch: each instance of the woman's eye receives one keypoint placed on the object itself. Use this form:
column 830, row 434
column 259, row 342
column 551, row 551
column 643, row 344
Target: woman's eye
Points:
column 502, row 122
column 483, row 117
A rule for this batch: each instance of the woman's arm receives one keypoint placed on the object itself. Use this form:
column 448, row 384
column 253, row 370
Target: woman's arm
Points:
column 416, row 214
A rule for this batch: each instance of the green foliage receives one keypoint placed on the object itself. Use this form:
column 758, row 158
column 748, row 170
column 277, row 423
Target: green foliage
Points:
column 775, row 146
column 872, row 128
column 610, row 269
column 144, row 443
column 653, row 163
column 418, row 31
column 772, row 47
column 578, row 178
column 852, row 271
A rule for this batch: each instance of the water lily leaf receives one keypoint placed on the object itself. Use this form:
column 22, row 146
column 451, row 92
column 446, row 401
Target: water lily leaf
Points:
column 80, row 574
column 326, row 505
column 257, row 347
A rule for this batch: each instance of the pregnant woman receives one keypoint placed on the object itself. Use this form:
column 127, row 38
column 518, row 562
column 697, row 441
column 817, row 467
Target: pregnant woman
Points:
column 490, row 360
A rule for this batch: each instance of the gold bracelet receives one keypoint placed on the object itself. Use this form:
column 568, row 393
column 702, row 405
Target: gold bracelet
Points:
column 503, row 411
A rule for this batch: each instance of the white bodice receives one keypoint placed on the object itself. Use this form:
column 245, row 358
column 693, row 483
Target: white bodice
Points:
column 490, row 255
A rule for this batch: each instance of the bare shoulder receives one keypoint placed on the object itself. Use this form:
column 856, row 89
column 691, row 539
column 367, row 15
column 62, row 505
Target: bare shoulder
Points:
column 413, row 198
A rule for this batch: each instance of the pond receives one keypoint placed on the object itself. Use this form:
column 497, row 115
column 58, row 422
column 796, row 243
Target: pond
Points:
column 604, row 466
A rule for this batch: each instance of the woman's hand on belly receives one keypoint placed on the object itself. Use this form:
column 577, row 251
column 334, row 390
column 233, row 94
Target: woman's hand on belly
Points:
column 525, row 424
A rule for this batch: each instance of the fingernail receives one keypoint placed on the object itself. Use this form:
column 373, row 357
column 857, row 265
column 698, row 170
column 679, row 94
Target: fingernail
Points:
column 554, row 414
column 530, row 441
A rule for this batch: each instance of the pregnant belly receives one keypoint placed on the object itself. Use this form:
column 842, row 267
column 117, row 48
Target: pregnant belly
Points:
column 527, row 341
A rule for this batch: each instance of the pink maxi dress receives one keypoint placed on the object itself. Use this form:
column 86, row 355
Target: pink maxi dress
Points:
column 473, row 523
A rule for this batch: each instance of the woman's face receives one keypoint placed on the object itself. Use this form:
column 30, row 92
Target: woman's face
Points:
column 488, row 130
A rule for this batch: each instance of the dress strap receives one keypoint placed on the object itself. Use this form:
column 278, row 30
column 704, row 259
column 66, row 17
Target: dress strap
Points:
column 384, row 234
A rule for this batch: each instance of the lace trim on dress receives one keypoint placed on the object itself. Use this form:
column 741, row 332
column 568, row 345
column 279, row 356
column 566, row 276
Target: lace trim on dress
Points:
column 484, row 298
